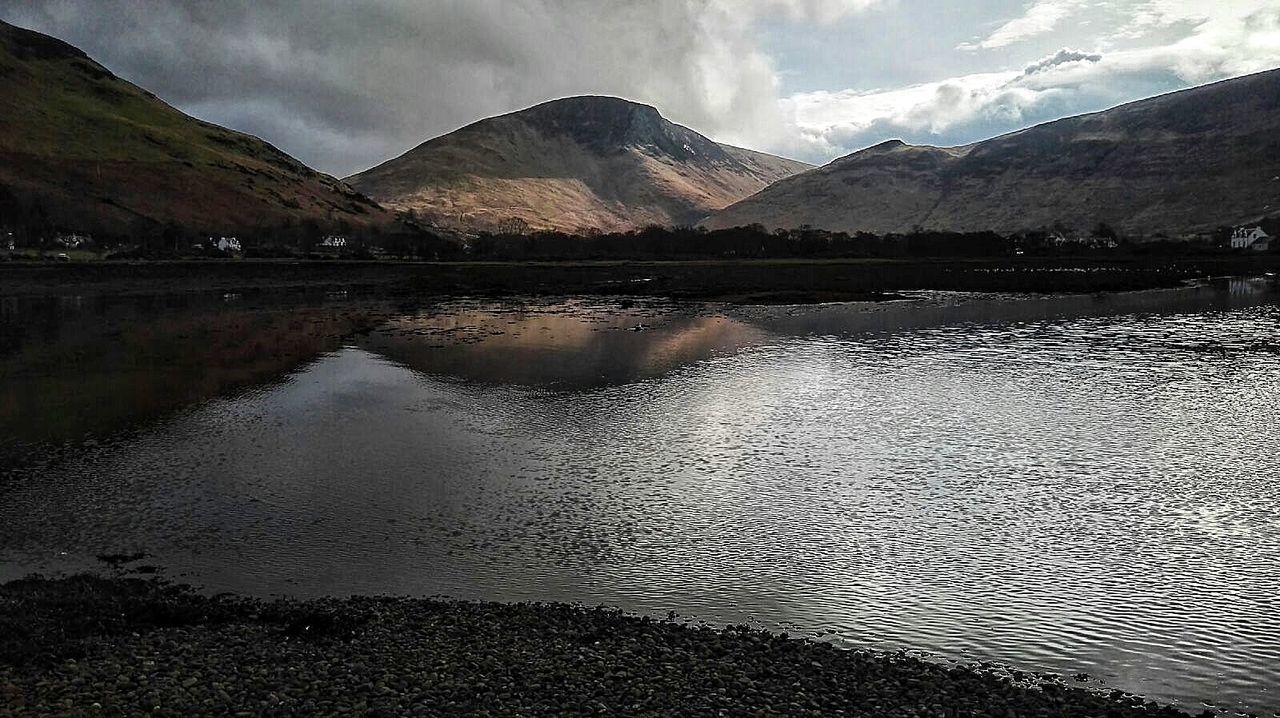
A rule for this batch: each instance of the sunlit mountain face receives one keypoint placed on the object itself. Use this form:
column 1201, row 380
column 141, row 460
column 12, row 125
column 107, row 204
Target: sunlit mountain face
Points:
column 571, row 165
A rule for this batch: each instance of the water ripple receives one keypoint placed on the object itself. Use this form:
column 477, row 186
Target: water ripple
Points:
column 1080, row 493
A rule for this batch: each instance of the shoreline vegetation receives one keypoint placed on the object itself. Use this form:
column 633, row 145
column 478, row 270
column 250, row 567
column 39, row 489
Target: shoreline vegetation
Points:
column 746, row 281
column 90, row 645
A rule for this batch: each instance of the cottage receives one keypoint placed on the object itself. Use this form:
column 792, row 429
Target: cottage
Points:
column 334, row 241
column 72, row 240
column 1058, row 239
column 226, row 244
column 1253, row 238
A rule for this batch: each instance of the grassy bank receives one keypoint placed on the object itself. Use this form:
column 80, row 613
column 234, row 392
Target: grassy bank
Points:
column 783, row 281
column 93, row 646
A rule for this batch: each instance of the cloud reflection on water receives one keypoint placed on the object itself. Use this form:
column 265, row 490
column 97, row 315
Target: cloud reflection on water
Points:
column 1076, row 483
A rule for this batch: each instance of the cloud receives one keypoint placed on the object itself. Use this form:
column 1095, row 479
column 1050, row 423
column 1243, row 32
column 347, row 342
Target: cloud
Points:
column 1038, row 19
column 1210, row 43
column 823, row 11
column 1061, row 57
column 345, row 85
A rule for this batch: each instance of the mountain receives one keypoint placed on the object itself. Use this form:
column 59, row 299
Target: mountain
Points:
column 83, row 149
column 571, row 164
column 1178, row 163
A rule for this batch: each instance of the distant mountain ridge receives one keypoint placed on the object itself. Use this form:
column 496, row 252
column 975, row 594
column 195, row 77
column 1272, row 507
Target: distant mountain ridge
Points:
column 81, row 148
column 571, row 164
column 1179, row 163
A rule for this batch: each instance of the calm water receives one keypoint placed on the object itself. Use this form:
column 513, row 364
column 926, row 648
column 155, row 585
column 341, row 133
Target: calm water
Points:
column 1074, row 484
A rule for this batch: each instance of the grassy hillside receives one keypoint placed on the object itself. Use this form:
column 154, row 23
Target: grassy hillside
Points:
column 1180, row 163
column 87, row 150
column 569, row 165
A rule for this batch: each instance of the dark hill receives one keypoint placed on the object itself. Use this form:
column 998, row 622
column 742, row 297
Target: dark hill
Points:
column 1178, row 163
column 83, row 149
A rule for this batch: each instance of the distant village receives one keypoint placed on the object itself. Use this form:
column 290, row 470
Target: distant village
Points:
column 68, row 245
column 65, row 245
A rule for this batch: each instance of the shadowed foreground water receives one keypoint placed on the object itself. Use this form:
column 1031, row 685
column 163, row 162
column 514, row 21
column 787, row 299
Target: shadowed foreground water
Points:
column 1078, row 484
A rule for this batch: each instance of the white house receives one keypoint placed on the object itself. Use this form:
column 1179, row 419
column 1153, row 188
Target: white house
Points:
column 225, row 244
column 72, row 240
column 334, row 241
column 1250, row 238
column 1058, row 239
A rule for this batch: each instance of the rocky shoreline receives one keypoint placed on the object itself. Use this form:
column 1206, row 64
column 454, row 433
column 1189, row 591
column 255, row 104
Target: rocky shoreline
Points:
column 88, row 645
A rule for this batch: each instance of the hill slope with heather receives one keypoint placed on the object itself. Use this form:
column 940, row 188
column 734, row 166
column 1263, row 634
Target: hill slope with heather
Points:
column 1183, row 162
column 571, row 164
column 83, row 149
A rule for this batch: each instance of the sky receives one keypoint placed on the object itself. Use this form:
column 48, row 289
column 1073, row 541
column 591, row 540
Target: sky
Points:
column 344, row 85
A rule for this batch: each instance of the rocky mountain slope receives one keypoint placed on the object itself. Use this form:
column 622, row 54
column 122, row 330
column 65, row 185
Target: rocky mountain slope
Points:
column 1178, row 163
column 571, row 164
column 83, row 149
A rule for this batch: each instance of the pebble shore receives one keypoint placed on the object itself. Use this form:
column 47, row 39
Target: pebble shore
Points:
column 92, row 646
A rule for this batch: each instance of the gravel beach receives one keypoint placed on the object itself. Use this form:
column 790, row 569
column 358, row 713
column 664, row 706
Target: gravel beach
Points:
column 88, row 645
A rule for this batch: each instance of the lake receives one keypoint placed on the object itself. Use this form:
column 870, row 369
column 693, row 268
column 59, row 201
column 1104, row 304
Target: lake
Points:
column 1077, row 484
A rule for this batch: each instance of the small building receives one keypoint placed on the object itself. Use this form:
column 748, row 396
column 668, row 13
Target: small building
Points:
column 72, row 240
column 1059, row 239
column 226, row 244
column 334, row 241
column 1253, row 238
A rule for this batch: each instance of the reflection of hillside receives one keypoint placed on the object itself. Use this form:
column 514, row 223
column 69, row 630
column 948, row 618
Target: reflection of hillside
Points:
column 95, row 379
column 937, row 309
column 559, row 344
column 574, row 344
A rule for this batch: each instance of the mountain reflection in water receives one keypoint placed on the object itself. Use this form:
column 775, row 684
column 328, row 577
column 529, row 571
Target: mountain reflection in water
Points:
column 565, row 345
column 1072, row 483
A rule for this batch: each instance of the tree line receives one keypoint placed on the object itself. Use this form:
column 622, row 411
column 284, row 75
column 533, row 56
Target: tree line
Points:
column 757, row 242
column 27, row 224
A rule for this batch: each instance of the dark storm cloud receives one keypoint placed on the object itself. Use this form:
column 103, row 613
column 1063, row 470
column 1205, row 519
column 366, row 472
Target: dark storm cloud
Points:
column 344, row 85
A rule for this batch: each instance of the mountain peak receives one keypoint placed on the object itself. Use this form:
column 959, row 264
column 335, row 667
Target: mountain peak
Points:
column 592, row 105
column 886, row 146
column 611, row 124
column 571, row 163
column 28, row 45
